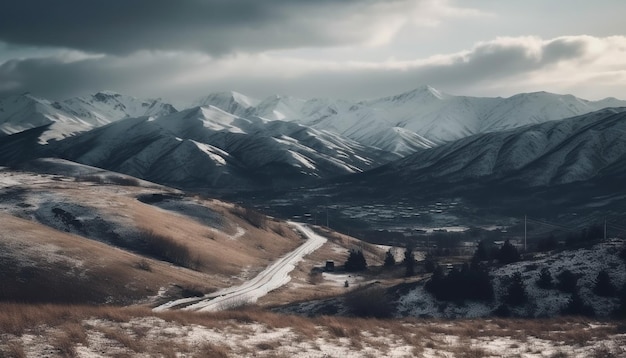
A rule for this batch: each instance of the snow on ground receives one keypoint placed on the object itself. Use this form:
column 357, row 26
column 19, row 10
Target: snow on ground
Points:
column 273, row 277
column 585, row 262
column 278, row 336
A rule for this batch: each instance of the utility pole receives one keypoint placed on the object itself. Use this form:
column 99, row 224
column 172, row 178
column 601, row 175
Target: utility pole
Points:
column 327, row 225
column 604, row 229
column 524, row 232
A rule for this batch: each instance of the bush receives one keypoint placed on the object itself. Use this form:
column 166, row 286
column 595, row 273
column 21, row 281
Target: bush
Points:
column 123, row 180
column 356, row 261
column 255, row 218
column 409, row 261
column 165, row 248
column 567, row 281
column 372, row 302
column 467, row 284
column 430, row 263
column 516, row 292
column 390, row 260
column 508, row 253
column 576, row 307
column 545, row 279
column 604, row 287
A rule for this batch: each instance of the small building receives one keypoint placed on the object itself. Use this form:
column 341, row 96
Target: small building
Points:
column 330, row 266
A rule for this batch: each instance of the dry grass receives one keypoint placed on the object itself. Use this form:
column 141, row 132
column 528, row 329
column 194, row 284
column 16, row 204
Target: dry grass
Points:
column 212, row 350
column 469, row 336
column 123, row 337
column 13, row 349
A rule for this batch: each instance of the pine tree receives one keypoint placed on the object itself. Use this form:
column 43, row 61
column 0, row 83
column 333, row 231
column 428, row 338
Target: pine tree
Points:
column 356, row 261
column 516, row 292
column 508, row 253
column 390, row 260
column 545, row 279
column 604, row 287
column 409, row 261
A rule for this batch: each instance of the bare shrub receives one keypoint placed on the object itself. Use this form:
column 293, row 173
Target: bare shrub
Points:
column 268, row 346
column 122, row 180
column 64, row 345
column 166, row 248
column 143, row 264
column 254, row 217
column 212, row 350
column 14, row 349
column 315, row 278
column 371, row 302
column 123, row 338
column 90, row 178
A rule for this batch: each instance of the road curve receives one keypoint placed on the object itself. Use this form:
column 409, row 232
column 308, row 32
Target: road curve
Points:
column 273, row 277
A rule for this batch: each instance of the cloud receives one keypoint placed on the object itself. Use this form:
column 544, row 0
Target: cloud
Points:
column 212, row 26
column 587, row 66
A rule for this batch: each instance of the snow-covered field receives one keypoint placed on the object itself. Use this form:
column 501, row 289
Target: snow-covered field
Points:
column 89, row 332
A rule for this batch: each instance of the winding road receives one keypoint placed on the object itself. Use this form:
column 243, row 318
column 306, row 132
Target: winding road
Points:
column 273, row 277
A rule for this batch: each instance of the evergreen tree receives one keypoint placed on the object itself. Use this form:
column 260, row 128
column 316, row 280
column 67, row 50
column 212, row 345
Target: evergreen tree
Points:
column 516, row 292
column 356, row 261
column 545, row 279
column 508, row 253
column 390, row 260
column 430, row 263
column 409, row 261
column 483, row 252
column 576, row 307
column 604, row 287
column 568, row 281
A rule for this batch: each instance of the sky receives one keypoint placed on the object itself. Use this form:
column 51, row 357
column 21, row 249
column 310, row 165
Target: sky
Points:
column 351, row 49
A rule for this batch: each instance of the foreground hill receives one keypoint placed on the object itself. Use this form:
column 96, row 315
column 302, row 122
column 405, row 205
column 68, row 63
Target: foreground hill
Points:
column 96, row 332
column 87, row 235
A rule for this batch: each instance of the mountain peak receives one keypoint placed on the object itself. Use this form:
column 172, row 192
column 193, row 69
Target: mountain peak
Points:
column 104, row 96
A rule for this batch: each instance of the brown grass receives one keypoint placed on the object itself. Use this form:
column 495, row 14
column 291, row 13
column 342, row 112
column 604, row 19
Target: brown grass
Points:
column 66, row 323
column 212, row 350
column 124, row 338
column 13, row 349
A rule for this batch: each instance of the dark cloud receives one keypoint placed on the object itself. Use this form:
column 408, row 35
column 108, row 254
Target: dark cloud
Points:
column 502, row 63
column 212, row 26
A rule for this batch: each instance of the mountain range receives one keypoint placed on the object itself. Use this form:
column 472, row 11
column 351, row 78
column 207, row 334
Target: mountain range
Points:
column 231, row 141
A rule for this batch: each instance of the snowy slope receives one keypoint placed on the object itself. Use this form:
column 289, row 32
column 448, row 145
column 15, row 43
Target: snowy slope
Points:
column 414, row 120
column 106, row 106
column 21, row 112
column 231, row 102
column 586, row 263
column 66, row 118
column 208, row 147
column 555, row 152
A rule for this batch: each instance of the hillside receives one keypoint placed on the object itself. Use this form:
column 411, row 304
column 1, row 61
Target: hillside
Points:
column 408, row 122
column 206, row 148
column 87, row 235
column 72, row 116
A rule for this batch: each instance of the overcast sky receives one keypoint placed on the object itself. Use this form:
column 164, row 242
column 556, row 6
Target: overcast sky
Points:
column 352, row 49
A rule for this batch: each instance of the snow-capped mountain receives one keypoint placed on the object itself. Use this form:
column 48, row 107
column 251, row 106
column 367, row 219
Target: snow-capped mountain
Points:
column 231, row 102
column 106, row 106
column 22, row 112
column 75, row 115
column 551, row 153
column 208, row 147
column 414, row 120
